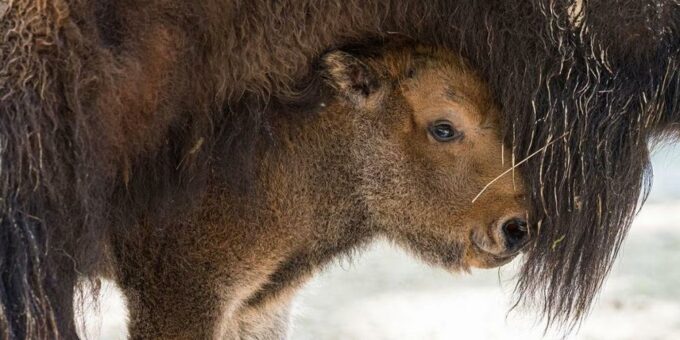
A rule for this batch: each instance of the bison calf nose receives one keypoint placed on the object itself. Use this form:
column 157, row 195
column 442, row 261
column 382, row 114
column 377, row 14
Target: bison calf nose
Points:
column 516, row 234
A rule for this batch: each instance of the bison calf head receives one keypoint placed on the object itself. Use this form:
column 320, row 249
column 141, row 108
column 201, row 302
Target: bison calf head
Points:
column 435, row 175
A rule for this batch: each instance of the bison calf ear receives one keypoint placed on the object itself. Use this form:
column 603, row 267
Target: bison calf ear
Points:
column 353, row 79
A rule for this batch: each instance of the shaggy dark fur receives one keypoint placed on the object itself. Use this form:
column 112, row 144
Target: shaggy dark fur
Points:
column 108, row 110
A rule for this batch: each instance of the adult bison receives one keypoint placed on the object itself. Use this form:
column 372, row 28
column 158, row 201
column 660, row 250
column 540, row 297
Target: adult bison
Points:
column 110, row 111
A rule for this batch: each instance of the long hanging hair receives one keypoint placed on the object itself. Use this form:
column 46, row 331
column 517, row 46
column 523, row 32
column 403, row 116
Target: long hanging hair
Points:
column 109, row 110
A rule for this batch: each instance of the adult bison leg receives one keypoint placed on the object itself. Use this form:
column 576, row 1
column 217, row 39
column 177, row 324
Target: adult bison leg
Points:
column 50, row 167
column 36, row 284
column 60, row 292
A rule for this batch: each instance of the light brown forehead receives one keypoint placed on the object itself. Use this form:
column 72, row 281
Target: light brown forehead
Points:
column 438, row 85
column 424, row 63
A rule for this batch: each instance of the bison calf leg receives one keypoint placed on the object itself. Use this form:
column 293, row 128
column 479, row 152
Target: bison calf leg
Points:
column 269, row 322
column 171, row 294
column 172, row 312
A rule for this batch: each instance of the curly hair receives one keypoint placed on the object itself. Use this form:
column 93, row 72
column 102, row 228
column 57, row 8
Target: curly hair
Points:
column 109, row 111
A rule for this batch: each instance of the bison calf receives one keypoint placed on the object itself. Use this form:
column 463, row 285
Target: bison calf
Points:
column 400, row 143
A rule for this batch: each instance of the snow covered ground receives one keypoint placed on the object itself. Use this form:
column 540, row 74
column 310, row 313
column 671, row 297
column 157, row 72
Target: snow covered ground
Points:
column 385, row 294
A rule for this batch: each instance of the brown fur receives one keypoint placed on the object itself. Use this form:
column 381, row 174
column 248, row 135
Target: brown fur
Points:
column 357, row 168
column 111, row 111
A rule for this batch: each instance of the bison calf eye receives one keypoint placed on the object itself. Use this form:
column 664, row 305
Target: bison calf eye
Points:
column 443, row 131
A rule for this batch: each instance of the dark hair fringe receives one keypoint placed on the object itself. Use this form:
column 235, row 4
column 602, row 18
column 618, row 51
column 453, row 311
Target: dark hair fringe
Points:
column 583, row 86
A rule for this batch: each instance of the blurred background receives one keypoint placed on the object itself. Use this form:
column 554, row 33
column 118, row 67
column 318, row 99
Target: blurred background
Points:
column 386, row 294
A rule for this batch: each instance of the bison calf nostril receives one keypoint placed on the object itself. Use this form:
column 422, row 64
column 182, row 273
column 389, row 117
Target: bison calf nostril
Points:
column 516, row 233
